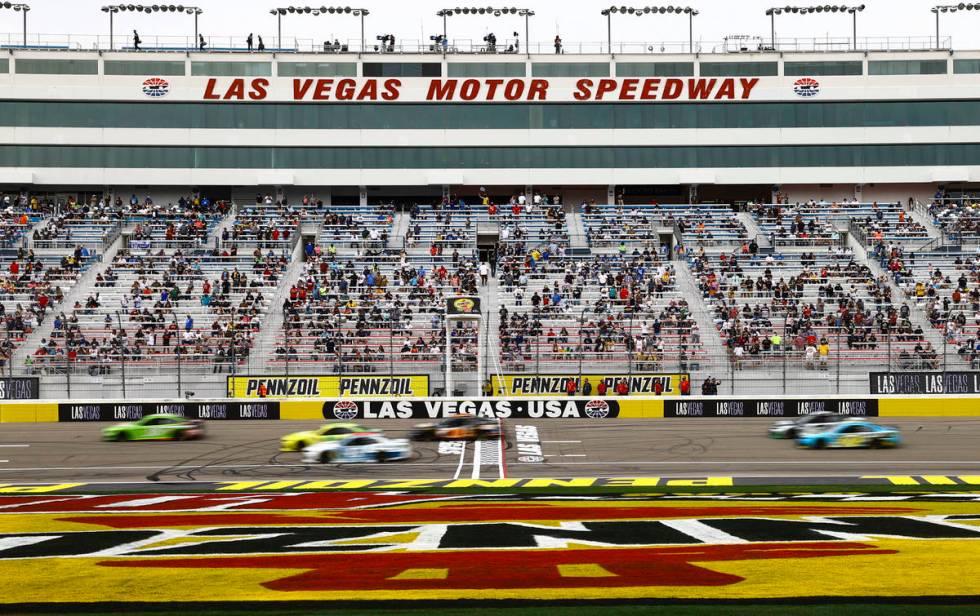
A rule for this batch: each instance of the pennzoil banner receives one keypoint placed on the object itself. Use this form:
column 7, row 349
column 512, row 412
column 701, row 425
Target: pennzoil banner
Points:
column 554, row 384
column 322, row 386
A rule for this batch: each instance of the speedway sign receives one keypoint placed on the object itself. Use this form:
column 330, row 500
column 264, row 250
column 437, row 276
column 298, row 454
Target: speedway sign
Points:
column 318, row 386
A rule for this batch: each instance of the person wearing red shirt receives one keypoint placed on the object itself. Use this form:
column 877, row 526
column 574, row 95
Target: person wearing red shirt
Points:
column 658, row 388
column 516, row 209
column 492, row 210
column 685, row 386
column 601, row 388
column 571, row 387
column 14, row 268
column 622, row 389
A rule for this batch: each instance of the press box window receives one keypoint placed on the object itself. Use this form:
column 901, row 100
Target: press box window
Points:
column 655, row 69
column 818, row 69
column 147, row 68
column 739, row 69
column 402, row 69
column 231, row 69
column 4, row 65
column 907, row 67
column 487, row 69
column 570, row 69
column 317, row 69
column 962, row 67
column 28, row 66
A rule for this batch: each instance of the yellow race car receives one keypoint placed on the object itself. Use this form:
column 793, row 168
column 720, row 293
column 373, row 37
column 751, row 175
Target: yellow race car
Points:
column 297, row 441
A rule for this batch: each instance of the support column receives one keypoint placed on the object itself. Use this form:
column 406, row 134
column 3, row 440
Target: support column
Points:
column 611, row 194
column 362, row 192
column 447, row 192
column 692, row 194
column 327, row 197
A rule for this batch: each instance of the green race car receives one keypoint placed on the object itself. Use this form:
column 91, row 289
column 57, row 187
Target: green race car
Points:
column 297, row 441
column 160, row 427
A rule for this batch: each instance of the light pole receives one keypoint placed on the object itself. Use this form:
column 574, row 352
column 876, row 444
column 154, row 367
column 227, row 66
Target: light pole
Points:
column 315, row 11
column 805, row 10
column 180, row 385
column 951, row 8
column 651, row 10
column 527, row 14
column 112, row 9
column 122, row 350
column 22, row 8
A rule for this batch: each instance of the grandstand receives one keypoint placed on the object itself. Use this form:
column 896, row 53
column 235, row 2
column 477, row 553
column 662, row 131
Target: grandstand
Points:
column 202, row 216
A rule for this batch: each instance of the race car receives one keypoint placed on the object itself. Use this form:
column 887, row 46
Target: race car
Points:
column 328, row 432
column 159, row 427
column 366, row 447
column 459, row 428
column 849, row 434
column 790, row 428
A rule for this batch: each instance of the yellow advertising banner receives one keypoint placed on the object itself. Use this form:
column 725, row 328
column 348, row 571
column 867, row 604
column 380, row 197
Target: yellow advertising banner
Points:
column 640, row 384
column 328, row 386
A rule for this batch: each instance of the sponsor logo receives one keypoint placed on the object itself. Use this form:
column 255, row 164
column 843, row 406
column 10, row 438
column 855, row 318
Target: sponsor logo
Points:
column 530, row 459
column 402, row 386
column 345, row 409
column 528, row 444
column 597, row 409
column 806, row 87
column 155, row 87
column 464, row 305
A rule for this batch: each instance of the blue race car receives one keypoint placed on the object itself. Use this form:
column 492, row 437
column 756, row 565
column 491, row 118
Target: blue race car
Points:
column 849, row 434
column 358, row 447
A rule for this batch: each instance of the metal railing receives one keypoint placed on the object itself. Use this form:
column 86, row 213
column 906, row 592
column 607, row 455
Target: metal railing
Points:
column 122, row 41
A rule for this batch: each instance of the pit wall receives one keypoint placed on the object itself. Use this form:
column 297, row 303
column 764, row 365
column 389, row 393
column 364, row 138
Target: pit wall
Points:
column 516, row 408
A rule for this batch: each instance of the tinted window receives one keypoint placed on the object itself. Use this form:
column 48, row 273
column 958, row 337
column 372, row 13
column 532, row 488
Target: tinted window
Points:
column 29, row 66
column 804, row 69
column 402, row 69
column 907, row 67
column 739, row 69
column 486, row 69
column 654, row 69
column 141, row 67
column 570, row 69
column 231, row 69
column 317, row 69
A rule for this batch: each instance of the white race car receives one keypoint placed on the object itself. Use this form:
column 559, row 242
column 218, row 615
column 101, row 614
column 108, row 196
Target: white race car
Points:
column 791, row 428
column 358, row 448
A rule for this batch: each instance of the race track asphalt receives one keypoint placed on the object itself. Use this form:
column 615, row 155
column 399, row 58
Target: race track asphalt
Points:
column 568, row 448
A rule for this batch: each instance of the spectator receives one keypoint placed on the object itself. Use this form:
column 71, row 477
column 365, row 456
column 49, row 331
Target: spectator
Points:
column 261, row 44
column 622, row 388
column 558, row 45
column 248, row 41
column 601, row 388
column 586, row 388
column 685, row 385
column 200, row 42
column 136, row 42
column 571, row 386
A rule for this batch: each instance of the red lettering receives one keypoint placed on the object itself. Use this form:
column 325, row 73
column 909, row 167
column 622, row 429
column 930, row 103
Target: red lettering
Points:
column 469, row 89
column 323, row 88
column 605, row 86
column 700, row 88
column 492, row 85
column 514, row 89
column 672, row 89
column 583, row 90
column 441, row 90
column 628, row 91
column 209, row 93
column 236, row 90
column 391, row 91
column 650, row 87
column 747, row 85
column 369, row 91
column 727, row 89
column 300, row 88
column 346, row 90
column 259, row 91
column 538, row 90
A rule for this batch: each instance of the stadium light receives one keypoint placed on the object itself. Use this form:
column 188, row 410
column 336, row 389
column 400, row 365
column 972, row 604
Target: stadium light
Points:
column 527, row 14
column 321, row 10
column 952, row 8
column 651, row 10
column 112, row 9
column 805, row 10
column 23, row 8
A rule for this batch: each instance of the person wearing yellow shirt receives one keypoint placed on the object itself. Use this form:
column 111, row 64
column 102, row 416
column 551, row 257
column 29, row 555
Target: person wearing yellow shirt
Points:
column 824, row 351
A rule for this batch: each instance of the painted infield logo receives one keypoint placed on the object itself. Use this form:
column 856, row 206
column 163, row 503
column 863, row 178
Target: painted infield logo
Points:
column 362, row 545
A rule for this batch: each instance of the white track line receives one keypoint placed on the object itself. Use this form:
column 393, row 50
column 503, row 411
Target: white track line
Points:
column 561, row 441
column 462, row 458
column 14, row 445
column 501, row 469
column 477, row 459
